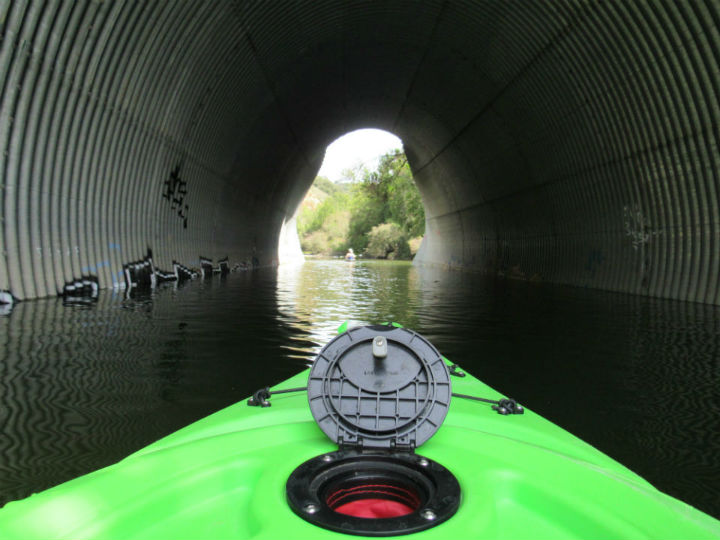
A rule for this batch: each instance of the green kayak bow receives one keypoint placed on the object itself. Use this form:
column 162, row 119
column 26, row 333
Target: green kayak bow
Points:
column 379, row 438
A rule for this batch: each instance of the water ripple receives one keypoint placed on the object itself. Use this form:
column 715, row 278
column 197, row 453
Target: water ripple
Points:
column 81, row 387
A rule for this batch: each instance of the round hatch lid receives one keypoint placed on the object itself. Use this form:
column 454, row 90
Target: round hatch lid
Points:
column 379, row 387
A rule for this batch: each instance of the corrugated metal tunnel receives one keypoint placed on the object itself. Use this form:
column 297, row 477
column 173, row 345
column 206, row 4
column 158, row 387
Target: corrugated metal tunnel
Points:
column 567, row 142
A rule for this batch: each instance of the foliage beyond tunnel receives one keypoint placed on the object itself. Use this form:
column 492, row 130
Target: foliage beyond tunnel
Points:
column 379, row 213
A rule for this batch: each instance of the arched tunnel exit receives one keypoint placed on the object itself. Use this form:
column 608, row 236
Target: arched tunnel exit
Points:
column 566, row 142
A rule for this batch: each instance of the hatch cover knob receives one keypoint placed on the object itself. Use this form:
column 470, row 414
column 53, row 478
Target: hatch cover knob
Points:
column 379, row 347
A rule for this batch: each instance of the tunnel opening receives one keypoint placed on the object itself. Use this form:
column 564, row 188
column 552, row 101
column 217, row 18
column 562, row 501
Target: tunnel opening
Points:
column 363, row 203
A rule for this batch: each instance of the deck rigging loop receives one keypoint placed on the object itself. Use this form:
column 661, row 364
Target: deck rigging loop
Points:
column 503, row 406
column 455, row 370
column 260, row 398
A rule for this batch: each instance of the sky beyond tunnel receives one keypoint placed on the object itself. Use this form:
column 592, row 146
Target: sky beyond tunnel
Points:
column 362, row 147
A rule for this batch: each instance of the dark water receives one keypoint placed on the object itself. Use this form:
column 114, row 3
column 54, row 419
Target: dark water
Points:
column 82, row 387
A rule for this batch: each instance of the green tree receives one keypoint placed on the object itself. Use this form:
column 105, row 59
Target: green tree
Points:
column 387, row 241
column 323, row 184
column 366, row 211
column 350, row 213
column 386, row 195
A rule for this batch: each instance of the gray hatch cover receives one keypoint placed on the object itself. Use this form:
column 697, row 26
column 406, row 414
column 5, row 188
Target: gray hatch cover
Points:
column 379, row 387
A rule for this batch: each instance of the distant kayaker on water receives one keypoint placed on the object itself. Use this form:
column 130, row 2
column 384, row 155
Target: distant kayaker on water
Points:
column 350, row 256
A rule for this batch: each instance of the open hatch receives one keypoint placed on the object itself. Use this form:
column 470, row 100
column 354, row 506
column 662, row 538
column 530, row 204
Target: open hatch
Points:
column 378, row 392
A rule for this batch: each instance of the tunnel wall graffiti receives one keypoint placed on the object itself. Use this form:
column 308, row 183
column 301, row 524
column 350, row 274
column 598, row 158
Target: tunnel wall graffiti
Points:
column 566, row 142
column 106, row 136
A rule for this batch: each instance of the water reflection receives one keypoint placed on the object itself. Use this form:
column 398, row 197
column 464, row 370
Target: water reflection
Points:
column 72, row 384
column 83, row 386
column 318, row 296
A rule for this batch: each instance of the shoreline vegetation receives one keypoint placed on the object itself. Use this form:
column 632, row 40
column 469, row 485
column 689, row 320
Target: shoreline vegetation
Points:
column 379, row 214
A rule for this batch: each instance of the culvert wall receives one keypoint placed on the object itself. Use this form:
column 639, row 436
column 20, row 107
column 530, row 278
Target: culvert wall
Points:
column 566, row 142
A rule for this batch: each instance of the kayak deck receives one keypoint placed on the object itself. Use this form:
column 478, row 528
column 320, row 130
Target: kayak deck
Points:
column 224, row 477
